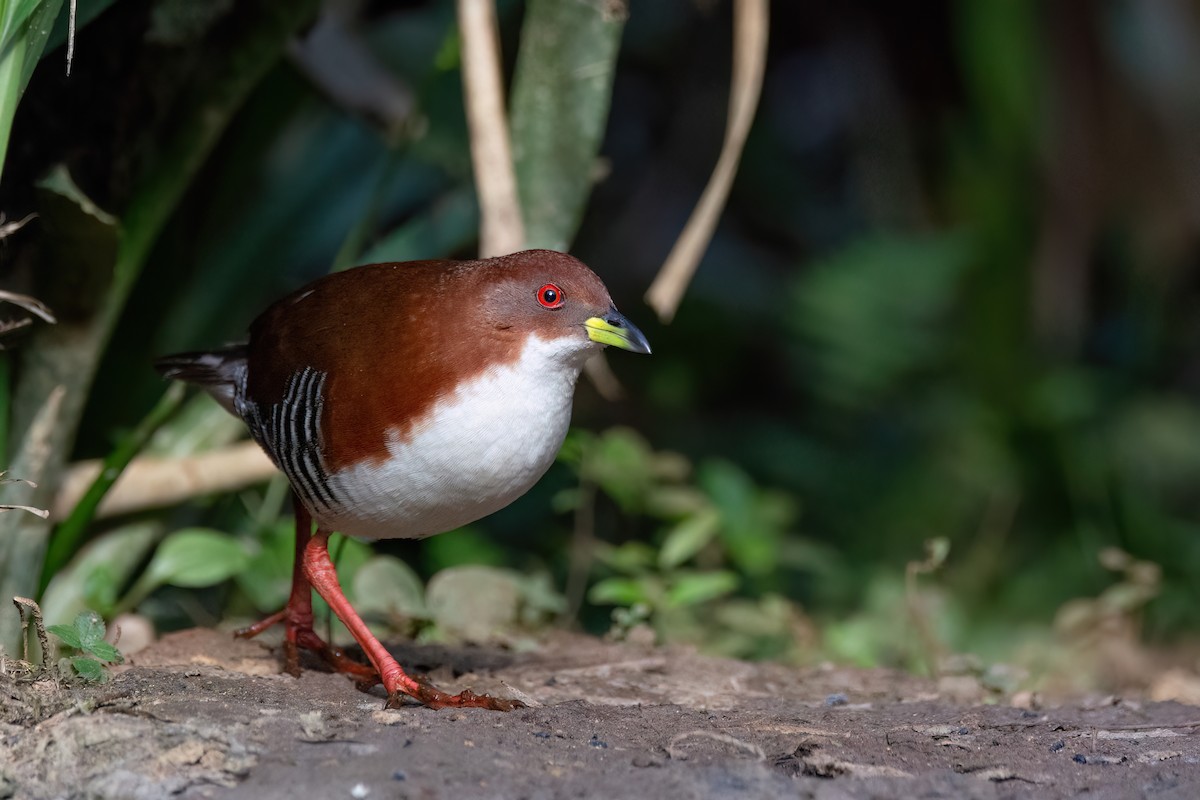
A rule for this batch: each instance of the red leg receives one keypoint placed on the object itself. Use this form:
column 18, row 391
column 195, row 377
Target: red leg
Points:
column 321, row 574
column 297, row 616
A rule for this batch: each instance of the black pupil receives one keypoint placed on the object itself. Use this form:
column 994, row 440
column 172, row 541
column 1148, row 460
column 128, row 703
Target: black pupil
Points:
column 549, row 296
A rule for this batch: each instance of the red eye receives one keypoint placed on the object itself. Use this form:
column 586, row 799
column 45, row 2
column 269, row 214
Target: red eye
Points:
column 550, row 296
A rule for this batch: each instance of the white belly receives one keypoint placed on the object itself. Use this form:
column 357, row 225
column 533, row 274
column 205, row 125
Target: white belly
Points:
column 473, row 455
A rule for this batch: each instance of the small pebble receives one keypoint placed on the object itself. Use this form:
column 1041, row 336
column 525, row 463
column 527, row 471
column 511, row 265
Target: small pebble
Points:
column 837, row 699
column 359, row 791
column 1079, row 758
column 595, row 742
column 542, row 734
column 399, row 775
column 1057, row 746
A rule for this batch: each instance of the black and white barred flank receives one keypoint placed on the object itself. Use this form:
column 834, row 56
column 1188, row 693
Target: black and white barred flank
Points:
column 289, row 431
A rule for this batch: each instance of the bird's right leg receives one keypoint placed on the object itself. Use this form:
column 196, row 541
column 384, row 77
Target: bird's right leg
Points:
column 398, row 683
column 297, row 616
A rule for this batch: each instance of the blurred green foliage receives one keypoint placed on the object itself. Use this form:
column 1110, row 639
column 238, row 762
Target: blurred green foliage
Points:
column 952, row 299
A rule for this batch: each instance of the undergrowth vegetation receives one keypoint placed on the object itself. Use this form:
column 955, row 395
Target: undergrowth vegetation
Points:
column 930, row 401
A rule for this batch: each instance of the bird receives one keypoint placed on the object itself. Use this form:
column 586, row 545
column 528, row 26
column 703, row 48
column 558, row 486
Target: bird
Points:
column 403, row 400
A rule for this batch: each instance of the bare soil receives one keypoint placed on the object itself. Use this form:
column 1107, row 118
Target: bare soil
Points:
column 200, row 714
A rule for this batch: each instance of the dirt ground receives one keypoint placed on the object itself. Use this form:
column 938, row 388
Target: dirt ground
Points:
column 201, row 715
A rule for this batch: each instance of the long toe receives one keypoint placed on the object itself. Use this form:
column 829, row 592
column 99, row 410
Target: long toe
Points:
column 301, row 636
column 435, row 698
column 337, row 660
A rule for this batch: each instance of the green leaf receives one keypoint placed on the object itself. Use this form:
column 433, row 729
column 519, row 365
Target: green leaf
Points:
column 621, row 464
column 629, row 557
column 267, row 578
column 731, row 491
column 99, row 571
column 67, row 634
column 566, row 500
column 700, row 587
column 26, row 25
column 539, row 598
column 672, row 502
column 90, row 627
column 618, row 592
column 15, row 14
column 105, row 652
column 448, row 226
column 37, row 31
column 688, row 538
column 754, row 521
column 562, row 86
column 386, row 585
column 196, row 557
column 89, row 669
column 575, row 447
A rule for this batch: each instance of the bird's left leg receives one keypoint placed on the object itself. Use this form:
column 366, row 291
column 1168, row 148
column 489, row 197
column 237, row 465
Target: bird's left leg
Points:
column 322, row 575
column 297, row 616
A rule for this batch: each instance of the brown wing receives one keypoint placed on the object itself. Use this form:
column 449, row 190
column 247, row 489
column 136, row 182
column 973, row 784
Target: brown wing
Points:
column 390, row 339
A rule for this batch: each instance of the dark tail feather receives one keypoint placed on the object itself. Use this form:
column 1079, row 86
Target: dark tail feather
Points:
column 216, row 371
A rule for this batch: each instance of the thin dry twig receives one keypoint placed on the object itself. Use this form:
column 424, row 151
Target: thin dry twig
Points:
column 676, row 753
column 936, row 551
column 1149, row 726
column 39, row 512
column 501, row 230
column 1090, row 729
column 9, row 228
column 30, row 304
column 35, row 614
column 600, row 373
column 750, row 26
column 71, row 34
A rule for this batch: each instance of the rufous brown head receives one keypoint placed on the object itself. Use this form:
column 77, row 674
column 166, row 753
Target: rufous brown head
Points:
column 554, row 295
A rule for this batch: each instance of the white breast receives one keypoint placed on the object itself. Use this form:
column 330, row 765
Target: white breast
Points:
column 481, row 448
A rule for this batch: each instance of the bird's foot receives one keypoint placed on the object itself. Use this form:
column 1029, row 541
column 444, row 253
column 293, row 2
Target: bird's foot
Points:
column 435, row 698
column 300, row 635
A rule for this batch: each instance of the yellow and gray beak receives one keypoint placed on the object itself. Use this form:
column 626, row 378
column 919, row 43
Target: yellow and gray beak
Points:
column 614, row 329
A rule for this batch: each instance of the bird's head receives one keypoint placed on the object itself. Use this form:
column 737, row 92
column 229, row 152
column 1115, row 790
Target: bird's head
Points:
column 557, row 298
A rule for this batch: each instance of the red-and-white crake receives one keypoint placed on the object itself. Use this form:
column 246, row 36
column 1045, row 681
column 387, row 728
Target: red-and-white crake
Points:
column 404, row 400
